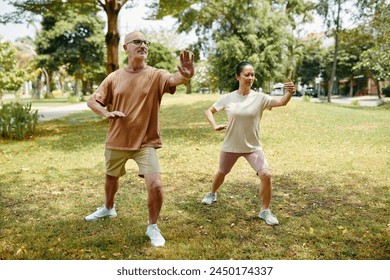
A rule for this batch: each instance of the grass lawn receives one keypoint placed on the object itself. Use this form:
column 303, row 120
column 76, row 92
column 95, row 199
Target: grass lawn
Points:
column 331, row 176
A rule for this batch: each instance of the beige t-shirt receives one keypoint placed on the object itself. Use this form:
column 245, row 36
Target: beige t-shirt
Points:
column 138, row 95
column 244, row 115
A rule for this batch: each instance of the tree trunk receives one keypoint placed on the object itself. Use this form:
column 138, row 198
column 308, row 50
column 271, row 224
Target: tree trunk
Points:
column 76, row 86
column 188, row 87
column 85, row 85
column 336, row 49
column 37, row 93
column 47, row 79
column 351, row 87
column 379, row 89
column 112, row 9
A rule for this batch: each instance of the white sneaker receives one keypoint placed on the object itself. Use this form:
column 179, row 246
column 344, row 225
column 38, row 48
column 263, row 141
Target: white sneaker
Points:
column 155, row 236
column 268, row 217
column 209, row 198
column 101, row 212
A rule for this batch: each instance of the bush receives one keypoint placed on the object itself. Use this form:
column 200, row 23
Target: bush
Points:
column 57, row 93
column 355, row 103
column 386, row 91
column 74, row 99
column 17, row 120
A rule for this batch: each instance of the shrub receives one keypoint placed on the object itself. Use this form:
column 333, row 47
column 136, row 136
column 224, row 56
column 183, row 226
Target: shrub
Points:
column 17, row 120
column 74, row 99
column 57, row 93
column 355, row 103
column 386, row 91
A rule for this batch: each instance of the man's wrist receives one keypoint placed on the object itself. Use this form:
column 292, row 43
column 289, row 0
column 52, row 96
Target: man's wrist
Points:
column 185, row 78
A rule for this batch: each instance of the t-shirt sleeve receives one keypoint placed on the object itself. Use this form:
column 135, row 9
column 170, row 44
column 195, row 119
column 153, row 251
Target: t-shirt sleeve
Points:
column 220, row 103
column 266, row 101
column 103, row 93
column 164, row 78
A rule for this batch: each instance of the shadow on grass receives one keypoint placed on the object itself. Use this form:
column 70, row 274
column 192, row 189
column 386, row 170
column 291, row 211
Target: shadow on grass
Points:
column 72, row 133
column 318, row 220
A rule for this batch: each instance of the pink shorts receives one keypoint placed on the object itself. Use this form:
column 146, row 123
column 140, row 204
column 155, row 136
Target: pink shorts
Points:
column 256, row 159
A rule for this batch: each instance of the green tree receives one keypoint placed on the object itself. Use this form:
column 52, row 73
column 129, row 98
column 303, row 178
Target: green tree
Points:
column 298, row 13
column 161, row 57
column 352, row 43
column 112, row 9
column 77, row 44
column 375, row 61
column 231, row 31
column 27, row 10
column 332, row 11
column 312, row 62
column 11, row 76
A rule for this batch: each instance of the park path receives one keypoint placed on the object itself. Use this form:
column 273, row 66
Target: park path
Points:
column 51, row 113
column 367, row 101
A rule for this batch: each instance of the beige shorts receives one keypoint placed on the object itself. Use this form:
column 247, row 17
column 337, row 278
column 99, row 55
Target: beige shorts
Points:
column 146, row 159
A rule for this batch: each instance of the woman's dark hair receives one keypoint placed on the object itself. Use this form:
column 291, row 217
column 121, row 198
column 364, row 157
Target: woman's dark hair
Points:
column 241, row 66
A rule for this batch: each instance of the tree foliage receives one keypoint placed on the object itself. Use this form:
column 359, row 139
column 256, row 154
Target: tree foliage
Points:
column 30, row 10
column 11, row 76
column 311, row 63
column 353, row 42
column 375, row 61
column 332, row 11
column 161, row 57
column 232, row 31
column 76, row 44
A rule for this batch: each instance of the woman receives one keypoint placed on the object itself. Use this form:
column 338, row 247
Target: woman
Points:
column 244, row 108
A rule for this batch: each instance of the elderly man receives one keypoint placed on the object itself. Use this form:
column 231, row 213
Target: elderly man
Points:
column 134, row 94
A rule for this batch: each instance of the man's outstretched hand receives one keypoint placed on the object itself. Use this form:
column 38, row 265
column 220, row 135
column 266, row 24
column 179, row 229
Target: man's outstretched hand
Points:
column 186, row 67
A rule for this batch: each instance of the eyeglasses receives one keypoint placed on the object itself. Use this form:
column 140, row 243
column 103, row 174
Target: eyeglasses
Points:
column 139, row 42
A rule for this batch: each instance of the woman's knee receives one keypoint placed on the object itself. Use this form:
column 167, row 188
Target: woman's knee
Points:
column 222, row 173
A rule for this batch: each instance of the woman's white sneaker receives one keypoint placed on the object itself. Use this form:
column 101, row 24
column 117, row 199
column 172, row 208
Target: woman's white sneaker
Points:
column 209, row 198
column 268, row 217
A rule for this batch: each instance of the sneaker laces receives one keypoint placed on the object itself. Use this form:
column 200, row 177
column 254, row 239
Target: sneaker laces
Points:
column 155, row 232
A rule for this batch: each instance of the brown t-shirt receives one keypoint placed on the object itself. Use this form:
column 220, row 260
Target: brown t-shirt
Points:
column 138, row 95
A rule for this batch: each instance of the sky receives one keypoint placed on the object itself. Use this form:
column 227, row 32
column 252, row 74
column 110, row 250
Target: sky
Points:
column 129, row 20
